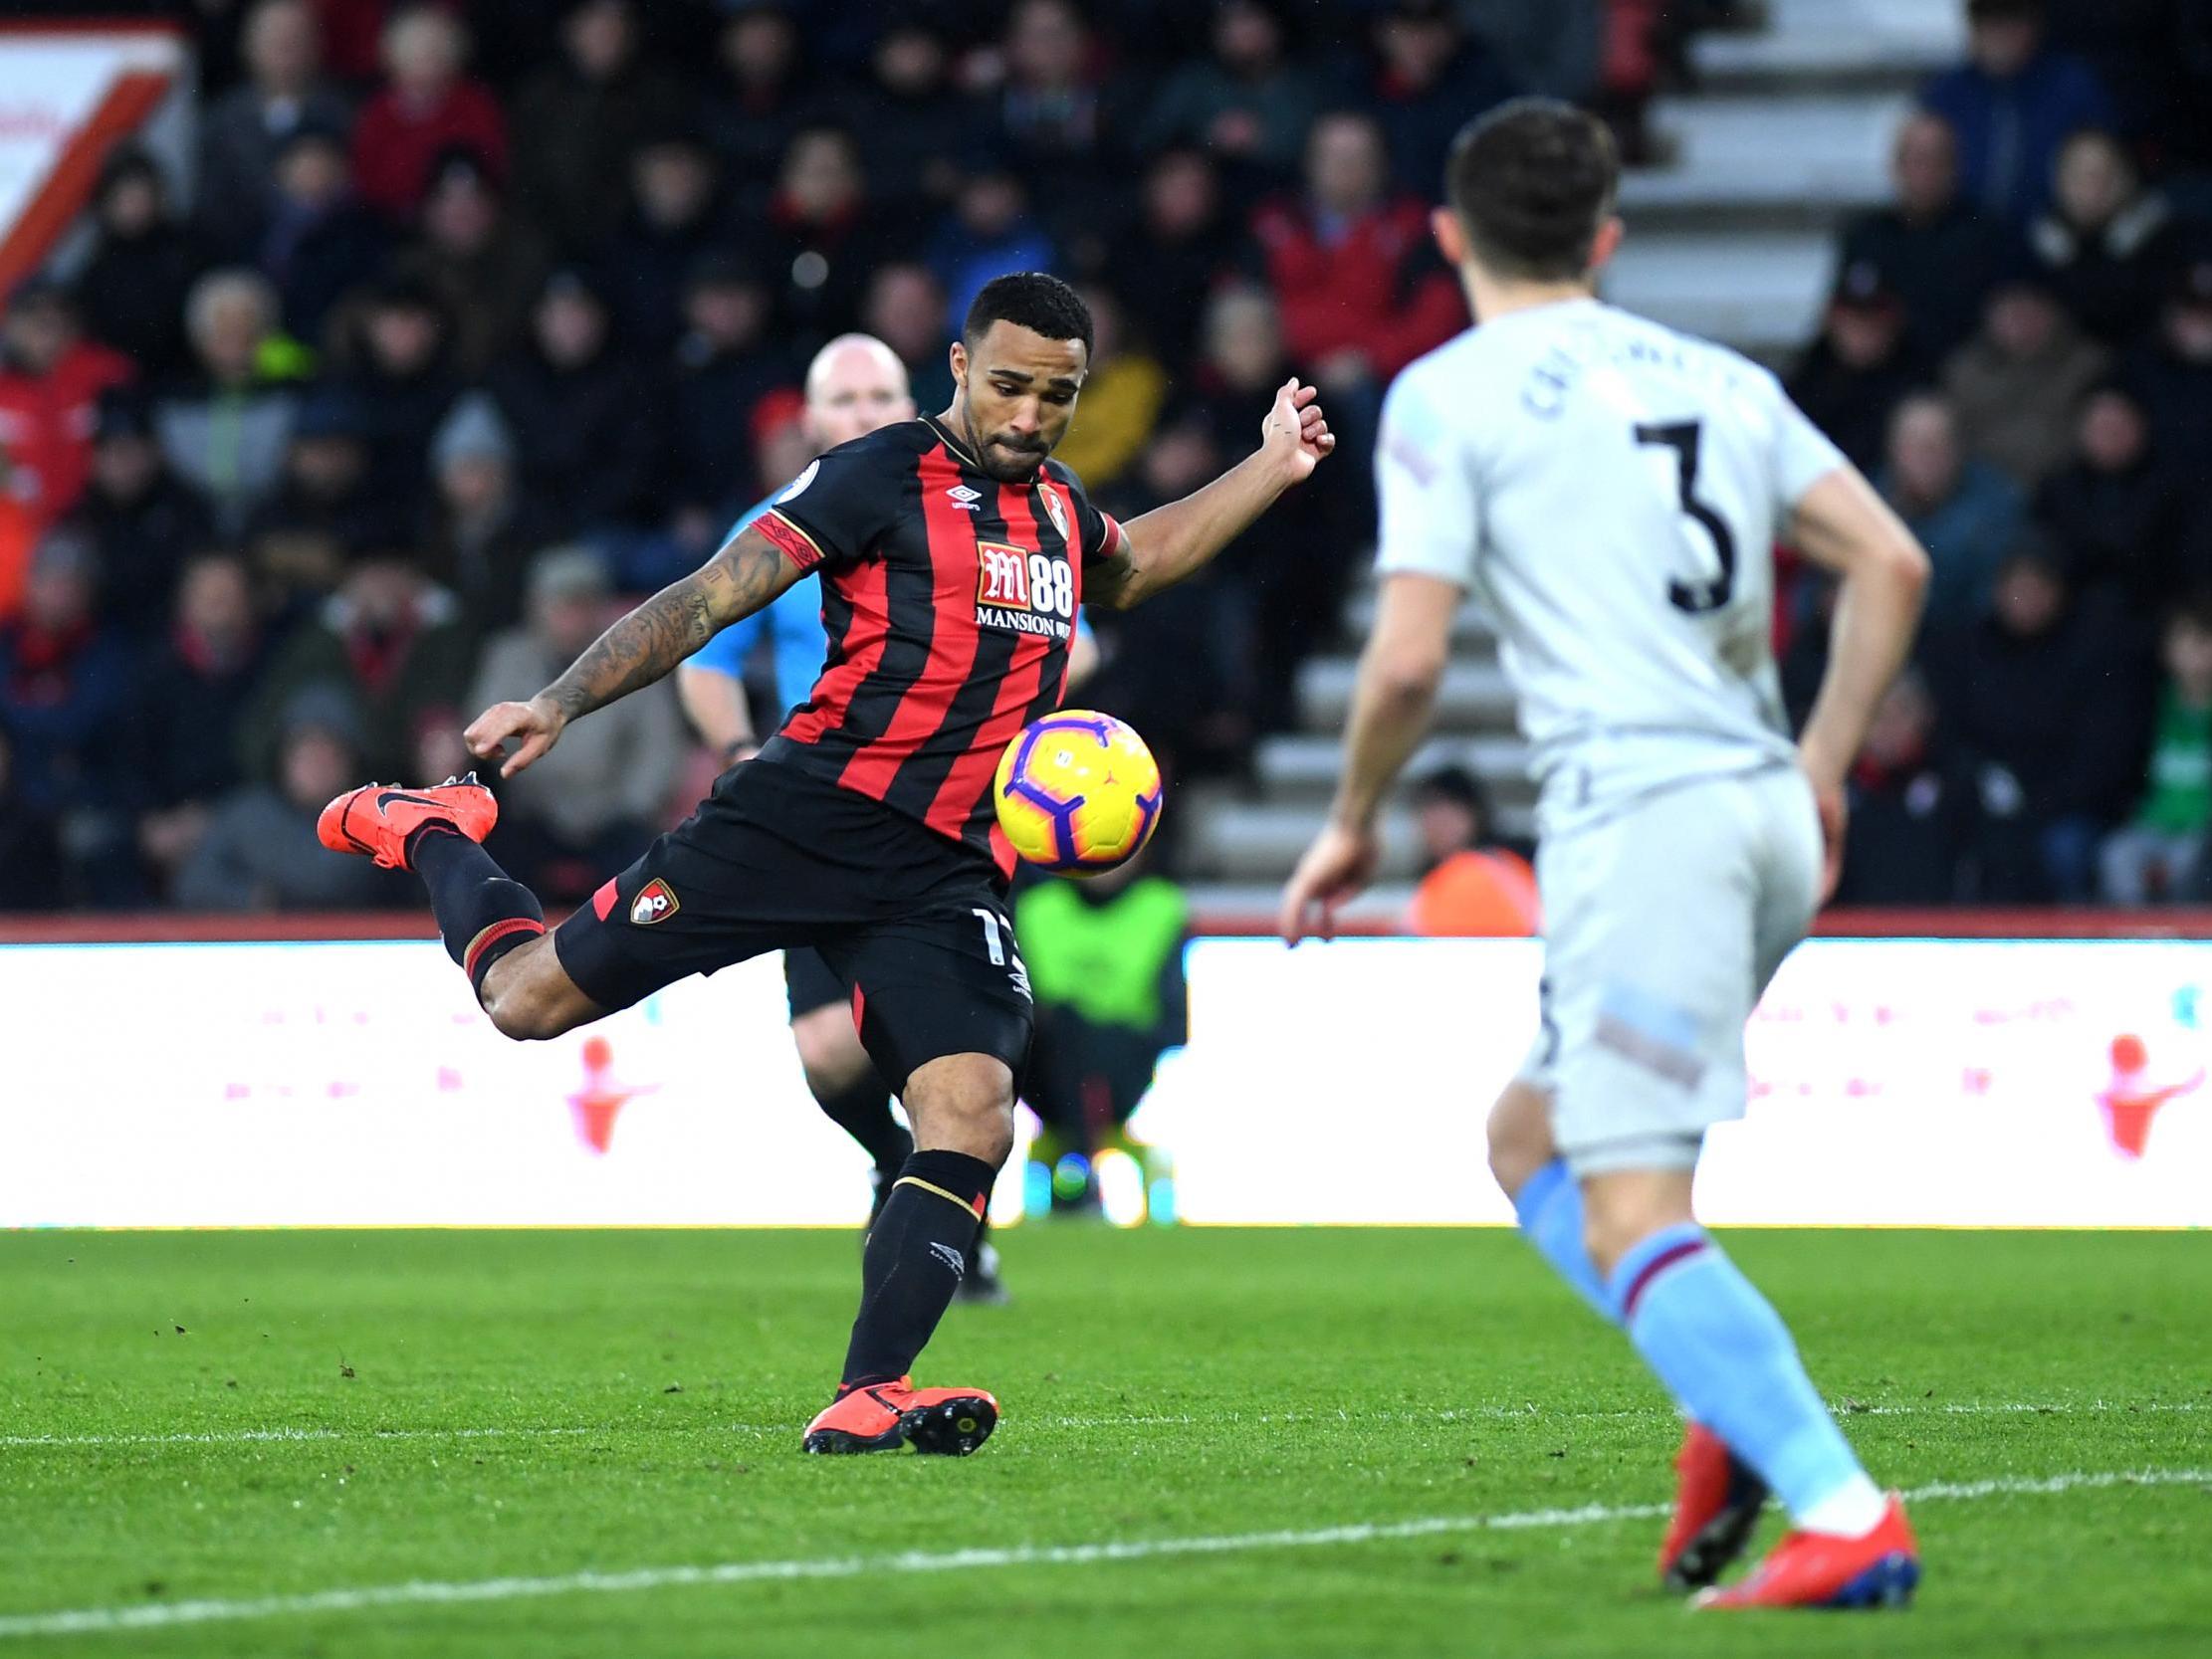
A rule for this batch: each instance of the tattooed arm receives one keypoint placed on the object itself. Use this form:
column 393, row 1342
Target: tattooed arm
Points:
column 743, row 577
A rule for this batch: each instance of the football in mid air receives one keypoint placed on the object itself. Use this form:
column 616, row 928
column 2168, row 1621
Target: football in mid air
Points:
column 1079, row 792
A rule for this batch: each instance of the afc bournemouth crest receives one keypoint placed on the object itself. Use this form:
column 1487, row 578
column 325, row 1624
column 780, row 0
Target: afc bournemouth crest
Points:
column 1053, row 510
column 654, row 902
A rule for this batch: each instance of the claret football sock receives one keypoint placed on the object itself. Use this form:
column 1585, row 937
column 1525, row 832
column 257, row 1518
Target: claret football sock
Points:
column 916, row 1255
column 863, row 1110
column 482, row 912
column 1725, row 1355
column 1549, row 1210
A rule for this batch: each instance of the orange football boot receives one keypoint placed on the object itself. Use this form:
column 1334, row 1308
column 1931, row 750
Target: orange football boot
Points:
column 376, row 820
column 1820, row 1570
column 883, row 1416
column 1717, row 1499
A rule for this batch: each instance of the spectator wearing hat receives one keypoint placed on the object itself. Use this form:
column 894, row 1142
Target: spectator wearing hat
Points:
column 2013, row 103
column 1249, row 103
column 400, row 374
column 1940, row 254
column 328, row 490
column 2117, row 513
column 1860, row 368
column 189, row 701
column 1963, row 511
column 675, row 218
column 579, row 121
column 570, row 823
column 2053, row 710
column 51, row 380
column 65, row 686
column 260, row 851
column 2017, row 382
column 2171, row 374
column 142, row 520
column 393, row 643
column 426, row 107
column 725, row 364
column 1471, row 887
column 478, row 534
column 130, row 291
column 912, row 119
column 224, row 433
column 485, row 265
column 2107, row 244
column 242, row 133
column 1428, row 78
column 320, row 239
column 582, row 416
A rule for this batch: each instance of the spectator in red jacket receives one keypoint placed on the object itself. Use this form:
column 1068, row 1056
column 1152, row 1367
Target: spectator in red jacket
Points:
column 1362, row 294
column 50, row 378
column 426, row 107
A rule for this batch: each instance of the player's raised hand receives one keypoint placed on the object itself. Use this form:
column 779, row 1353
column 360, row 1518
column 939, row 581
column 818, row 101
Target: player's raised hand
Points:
column 535, row 726
column 1296, row 431
column 1336, row 868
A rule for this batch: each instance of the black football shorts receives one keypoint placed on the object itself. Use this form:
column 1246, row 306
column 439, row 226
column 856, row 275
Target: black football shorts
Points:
column 915, row 924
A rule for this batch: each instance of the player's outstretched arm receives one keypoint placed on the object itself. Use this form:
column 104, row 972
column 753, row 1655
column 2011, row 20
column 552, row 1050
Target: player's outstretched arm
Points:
column 1392, row 701
column 1161, row 548
column 747, row 574
column 1842, row 526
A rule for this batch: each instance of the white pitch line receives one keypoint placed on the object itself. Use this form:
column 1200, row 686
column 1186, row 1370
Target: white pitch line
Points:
column 1480, row 1413
column 420, row 1593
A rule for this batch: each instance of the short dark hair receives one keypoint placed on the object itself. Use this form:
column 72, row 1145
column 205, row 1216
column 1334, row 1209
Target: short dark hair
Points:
column 1034, row 300
column 1531, row 182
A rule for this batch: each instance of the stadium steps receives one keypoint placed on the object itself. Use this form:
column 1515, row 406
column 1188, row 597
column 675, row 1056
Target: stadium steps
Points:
column 1788, row 129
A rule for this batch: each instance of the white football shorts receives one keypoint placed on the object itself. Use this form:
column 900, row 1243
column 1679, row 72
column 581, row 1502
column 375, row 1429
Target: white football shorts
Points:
column 1663, row 920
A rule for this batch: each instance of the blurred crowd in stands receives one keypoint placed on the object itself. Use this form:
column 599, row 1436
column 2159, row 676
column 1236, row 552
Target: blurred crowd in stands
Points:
column 471, row 318
column 2019, row 352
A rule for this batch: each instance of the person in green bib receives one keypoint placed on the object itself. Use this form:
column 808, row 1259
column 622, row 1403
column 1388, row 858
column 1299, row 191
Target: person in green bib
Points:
column 2160, row 855
column 1105, row 960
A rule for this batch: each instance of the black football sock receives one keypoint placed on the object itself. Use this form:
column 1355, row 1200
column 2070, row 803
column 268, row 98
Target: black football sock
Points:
column 916, row 1255
column 482, row 912
column 863, row 1110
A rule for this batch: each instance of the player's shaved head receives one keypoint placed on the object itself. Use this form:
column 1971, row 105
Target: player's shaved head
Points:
column 1532, row 183
column 855, row 385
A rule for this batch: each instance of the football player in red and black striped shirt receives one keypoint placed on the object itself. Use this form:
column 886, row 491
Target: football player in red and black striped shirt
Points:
column 952, row 553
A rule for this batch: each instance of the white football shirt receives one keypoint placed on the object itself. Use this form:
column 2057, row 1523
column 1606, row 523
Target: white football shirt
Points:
column 1610, row 491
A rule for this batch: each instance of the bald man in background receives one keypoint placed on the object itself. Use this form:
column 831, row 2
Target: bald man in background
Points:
column 854, row 387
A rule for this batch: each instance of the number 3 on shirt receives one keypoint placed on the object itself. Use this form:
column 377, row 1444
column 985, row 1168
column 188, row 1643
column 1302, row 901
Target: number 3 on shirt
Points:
column 1683, row 437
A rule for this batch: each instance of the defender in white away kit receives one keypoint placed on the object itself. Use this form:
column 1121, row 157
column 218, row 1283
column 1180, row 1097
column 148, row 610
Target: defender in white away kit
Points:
column 1610, row 491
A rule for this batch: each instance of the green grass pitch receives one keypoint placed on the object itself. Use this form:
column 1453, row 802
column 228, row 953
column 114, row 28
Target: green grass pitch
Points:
column 202, row 1423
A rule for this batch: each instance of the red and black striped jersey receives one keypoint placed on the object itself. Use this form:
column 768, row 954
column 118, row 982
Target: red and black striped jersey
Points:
column 950, row 599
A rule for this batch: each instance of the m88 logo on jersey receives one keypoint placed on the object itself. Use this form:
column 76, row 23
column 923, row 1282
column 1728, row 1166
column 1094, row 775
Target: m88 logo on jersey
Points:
column 1016, row 588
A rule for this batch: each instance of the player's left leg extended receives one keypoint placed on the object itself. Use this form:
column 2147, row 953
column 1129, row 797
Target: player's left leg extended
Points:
column 493, row 926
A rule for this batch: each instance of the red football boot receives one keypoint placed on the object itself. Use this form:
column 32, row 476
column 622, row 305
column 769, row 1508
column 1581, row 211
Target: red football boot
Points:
column 1820, row 1570
column 883, row 1416
column 375, row 821
column 1717, row 1499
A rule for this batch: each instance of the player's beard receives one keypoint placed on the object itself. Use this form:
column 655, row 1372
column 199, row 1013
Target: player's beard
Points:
column 1007, row 466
